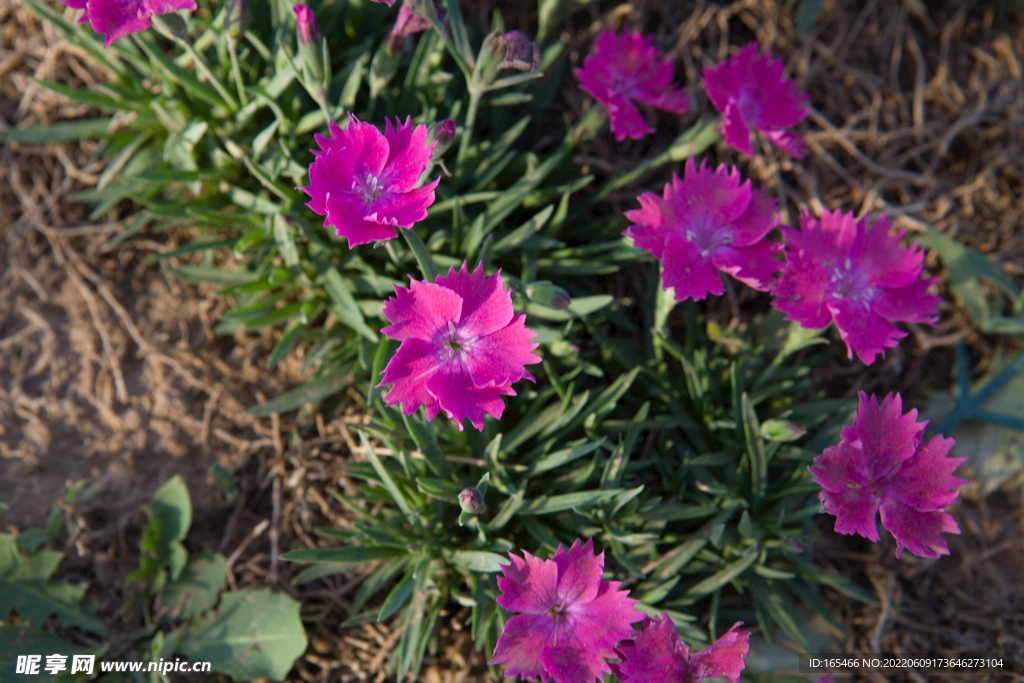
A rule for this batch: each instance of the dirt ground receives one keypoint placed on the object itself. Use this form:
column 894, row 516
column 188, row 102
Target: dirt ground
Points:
column 110, row 371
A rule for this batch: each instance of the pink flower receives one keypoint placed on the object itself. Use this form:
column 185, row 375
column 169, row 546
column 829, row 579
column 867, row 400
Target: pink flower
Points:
column 704, row 224
column 837, row 269
column 408, row 23
column 751, row 91
column 308, row 32
column 569, row 621
column 117, row 18
column 364, row 183
column 654, row 654
column 462, row 346
column 881, row 465
column 625, row 68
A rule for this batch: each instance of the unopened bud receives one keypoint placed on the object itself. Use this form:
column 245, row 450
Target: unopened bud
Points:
column 443, row 133
column 310, row 46
column 547, row 294
column 521, row 53
column 471, row 501
column 781, row 430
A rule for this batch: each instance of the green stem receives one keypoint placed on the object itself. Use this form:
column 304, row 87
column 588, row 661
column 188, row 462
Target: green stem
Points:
column 467, row 131
column 237, row 72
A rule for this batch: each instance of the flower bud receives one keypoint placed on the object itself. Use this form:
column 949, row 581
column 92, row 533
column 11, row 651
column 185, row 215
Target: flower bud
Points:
column 443, row 133
column 471, row 501
column 310, row 45
column 384, row 66
column 521, row 53
column 547, row 294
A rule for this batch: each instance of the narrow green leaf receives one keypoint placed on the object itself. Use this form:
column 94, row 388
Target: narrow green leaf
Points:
column 546, row 505
column 63, row 131
column 86, row 96
column 350, row 554
column 727, row 574
column 311, row 392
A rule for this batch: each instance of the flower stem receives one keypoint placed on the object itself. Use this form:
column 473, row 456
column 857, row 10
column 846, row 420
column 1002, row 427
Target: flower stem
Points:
column 467, row 131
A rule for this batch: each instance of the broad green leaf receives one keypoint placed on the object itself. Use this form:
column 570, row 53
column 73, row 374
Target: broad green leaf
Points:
column 23, row 639
column 170, row 516
column 252, row 634
column 26, row 589
column 478, row 560
column 196, row 590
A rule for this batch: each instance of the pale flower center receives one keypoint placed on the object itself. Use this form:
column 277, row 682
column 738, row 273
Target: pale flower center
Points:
column 369, row 189
column 849, row 283
column 454, row 345
column 708, row 236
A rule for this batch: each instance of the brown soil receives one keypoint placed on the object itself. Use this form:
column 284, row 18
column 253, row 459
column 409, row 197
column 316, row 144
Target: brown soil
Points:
column 110, row 372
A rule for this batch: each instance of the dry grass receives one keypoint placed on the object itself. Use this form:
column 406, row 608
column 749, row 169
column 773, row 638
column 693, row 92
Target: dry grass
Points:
column 110, row 372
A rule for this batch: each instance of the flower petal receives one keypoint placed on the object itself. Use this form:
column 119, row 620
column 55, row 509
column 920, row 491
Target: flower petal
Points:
column 568, row 664
column 347, row 215
column 863, row 331
column 423, row 312
column 887, row 436
column 725, row 658
column 117, row 18
column 408, row 370
column 790, row 143
column 878, row 255
column 408, row 156
column 912, row 304
column 625, row 118
column 854, row 511
column 650, row 223
column 403, row 209
column 736, row 129
column 800, row 293
column 653, row 655
column 522, row 644
column 529, row 584
column 459, row 398
column 499, row 357
column 487, row 305
column 926, row 481
column 919, row 532
column 579, row 574
column 602, row 622
column 842, row 466
column 690, row 273
column 753, row 265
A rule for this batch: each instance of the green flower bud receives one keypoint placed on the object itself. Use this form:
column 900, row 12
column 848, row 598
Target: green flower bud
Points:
column 547, row 294
column 310, row 44
column 472, row 501
column 442, row 132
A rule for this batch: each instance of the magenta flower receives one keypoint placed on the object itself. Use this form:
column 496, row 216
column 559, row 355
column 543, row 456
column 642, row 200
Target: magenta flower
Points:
column 882, row 465
column 364, row 183
column 569, row 621
column 626, row 68
column 117, row 18
column 308, row 32
column 837, row 269
column 654, row 654
column 462, row 346
column 704, row 224
column 751, row 91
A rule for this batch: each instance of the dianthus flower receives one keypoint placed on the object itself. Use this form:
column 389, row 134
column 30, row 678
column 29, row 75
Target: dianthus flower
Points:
column 625, row 68
column 882, row 465
column 751, row 91
column 462, row 346
column 364, row 183
column 707, row 223
column 838, row 269
column 569, row 621
column 117, row 18
column 654, row 654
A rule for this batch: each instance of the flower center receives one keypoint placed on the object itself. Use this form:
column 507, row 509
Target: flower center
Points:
column 369, row 189
column 850, row 284
column 708, row 236
column 453, row 345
